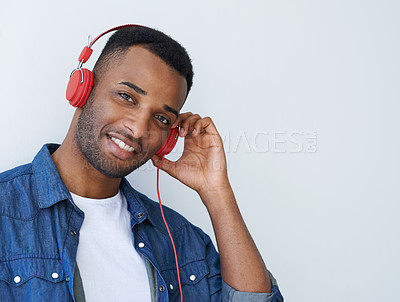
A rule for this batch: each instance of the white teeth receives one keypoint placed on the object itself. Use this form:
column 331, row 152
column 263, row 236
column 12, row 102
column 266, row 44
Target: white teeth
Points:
column 122, row 145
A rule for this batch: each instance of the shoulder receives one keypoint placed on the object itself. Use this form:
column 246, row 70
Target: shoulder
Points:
column 17, row 191
column 15, row 173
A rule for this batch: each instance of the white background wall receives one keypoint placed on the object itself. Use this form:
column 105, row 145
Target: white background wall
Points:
column 306, row 95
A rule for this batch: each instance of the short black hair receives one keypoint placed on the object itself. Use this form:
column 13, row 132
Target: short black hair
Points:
column 160, row 44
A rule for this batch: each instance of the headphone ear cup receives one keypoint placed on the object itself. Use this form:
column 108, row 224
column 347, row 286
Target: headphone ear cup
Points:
column 78, row 89
column 169, row 143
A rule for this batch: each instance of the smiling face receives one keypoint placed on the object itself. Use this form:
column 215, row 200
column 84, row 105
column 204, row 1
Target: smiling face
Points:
column 130, row 112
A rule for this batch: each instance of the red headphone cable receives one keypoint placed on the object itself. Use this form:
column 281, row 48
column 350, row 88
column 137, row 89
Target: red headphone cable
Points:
column 169, row 233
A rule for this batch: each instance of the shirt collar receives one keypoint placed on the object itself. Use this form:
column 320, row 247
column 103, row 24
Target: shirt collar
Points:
column 51, row 188
column 135, row 204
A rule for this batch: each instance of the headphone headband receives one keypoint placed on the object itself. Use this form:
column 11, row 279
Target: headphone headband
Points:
column 113, row 29
column 87, row 50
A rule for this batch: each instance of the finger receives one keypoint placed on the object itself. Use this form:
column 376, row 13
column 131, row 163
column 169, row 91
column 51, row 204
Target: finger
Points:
column 187, row 125
column 180, row 118
column 204, row 125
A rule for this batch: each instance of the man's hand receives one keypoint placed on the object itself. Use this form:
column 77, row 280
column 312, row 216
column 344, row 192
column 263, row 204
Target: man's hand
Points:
column 202, row 165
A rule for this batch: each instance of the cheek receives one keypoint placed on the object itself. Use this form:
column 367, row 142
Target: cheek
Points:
column 101, row 114
column 152, row 142
column 155, row 140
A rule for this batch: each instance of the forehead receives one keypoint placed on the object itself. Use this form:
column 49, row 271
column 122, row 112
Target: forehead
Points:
column 143, row 68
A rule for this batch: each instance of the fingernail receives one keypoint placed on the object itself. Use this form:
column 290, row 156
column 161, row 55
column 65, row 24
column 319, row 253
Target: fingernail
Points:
column 194, row 131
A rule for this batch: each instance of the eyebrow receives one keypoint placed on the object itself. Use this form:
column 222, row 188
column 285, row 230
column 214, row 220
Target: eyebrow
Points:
column 134, row 87
column 172, row 110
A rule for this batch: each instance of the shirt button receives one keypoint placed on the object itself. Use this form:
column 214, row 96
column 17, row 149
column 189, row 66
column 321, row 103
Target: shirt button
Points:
column 17, row 279
column 54, row 275
column 139, row 215
column 67, row 279
column 192, row 277
column 171, row 287
column 73, row 233
column 141, row 245
column 162, row 288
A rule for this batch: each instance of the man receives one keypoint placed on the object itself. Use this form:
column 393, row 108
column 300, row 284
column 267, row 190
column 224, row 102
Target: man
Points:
column 72, row 228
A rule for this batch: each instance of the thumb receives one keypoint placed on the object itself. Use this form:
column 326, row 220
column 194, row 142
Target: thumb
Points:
column 166, row 165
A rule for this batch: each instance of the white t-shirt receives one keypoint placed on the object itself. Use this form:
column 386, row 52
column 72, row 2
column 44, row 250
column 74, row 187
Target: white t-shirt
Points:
column 110, row 267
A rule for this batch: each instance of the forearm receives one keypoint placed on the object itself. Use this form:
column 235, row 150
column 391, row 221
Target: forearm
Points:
column 242, row 266
column 203, row 168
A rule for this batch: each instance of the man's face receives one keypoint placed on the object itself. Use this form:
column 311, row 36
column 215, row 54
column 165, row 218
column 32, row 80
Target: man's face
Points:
column 130, row 113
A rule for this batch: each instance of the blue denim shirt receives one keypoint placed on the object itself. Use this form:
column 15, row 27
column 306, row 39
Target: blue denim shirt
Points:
column 39, row 236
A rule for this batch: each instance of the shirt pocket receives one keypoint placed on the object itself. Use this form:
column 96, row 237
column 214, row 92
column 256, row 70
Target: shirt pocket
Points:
column 33, row 279
column 193, row 279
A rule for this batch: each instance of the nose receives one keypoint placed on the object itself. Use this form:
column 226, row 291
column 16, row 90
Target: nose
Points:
column 138, row 125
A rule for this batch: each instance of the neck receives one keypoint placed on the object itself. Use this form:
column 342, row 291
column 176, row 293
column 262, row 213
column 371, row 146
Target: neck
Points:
column 80, row 177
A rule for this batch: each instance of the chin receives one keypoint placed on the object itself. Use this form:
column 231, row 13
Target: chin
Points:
column 112, row 169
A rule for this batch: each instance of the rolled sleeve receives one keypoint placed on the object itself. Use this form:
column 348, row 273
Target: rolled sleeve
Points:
column 230, row 294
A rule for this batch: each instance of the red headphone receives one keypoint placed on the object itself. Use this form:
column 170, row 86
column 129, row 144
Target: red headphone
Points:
column 81, row 83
